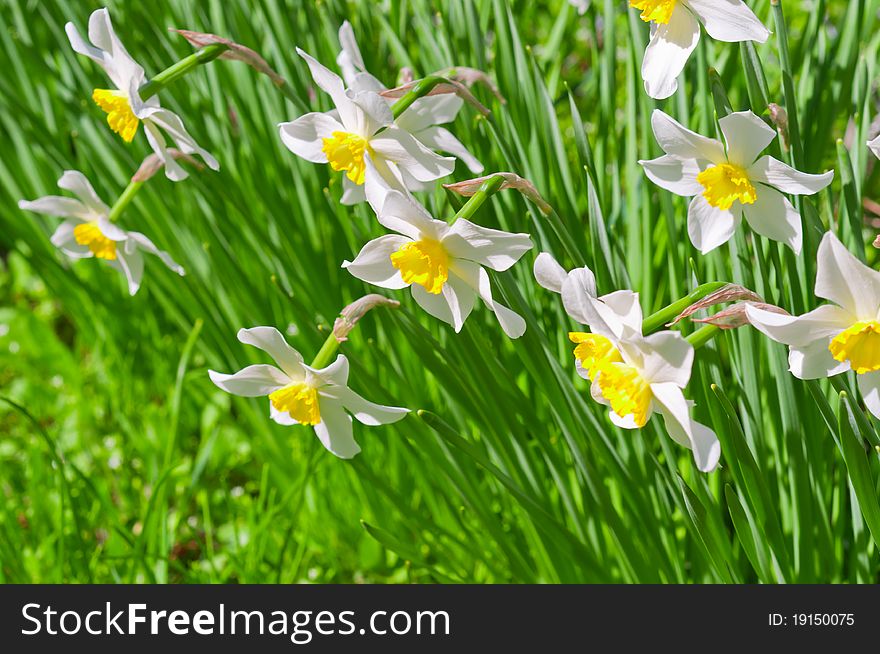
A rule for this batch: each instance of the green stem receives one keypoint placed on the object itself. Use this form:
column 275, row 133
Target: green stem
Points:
column 703, row 335
column 794, row 137
column 419, row 90
column 488, row 189
column 328, row 349
column 123, row 200
column 837, row 381
column 657, row 320
column 181, row 68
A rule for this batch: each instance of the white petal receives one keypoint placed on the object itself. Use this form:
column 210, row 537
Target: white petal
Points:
column 511, row 322
column 869, row 387
column 400, row 147
column 674, row 174
column 64, row 240
column 281, row 417
column 668, row 51
column 430, row 110
column 676, row 414
column 625, row 305
column 81, row 46
column 146, row 244
column 336, row 373
column 768, row 170
column 171, row 124
column 373, row 113
column 349, row 60
column 746, row 136
column 113, row 57
column 56, row 205
column 843, row 279
column 729, row 20
column 819, row 324
column 492, row 248
column 373, row 262
column 335, row 430
column 814, row 361
column 330, row 83
column 442, row 140
column 434, row 305
column 677, row 140
column 273, row 343
column 875, row 146
column 352, row 193
column 549, row 274
column 709, row 226
column 773, row 216
column 254, row 381
column 363, row 410
column 304, row 136
column 667, row 358
column 77, row 183
column 626, row 422
column 402, row 214
column 131, row 264
column 578, row 287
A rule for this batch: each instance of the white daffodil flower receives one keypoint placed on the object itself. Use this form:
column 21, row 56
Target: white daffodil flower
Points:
column 675, row 32
column 124, row 107
column 422, row 119
column 633, row 375
column 875, row 146
column 301, row 395
column 88, row 232
column 834, row 338
column 728, row 182
column 361, row 125
column 443, row 265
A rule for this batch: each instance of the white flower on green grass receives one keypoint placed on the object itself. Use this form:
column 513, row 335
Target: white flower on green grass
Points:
column 633, row 375
column 675, row 32
column 301, row 395
column 442, row 265
column 361, row 126
column 123, row 104
column 838, row 337
column 875, row 146
column 422, row 119
column 729, row 182
column 87, row 231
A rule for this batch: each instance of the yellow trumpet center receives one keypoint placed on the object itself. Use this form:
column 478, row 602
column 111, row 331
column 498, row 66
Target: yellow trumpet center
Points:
column 345, row 151
column 593, row 351
column 725, row 184
column 300, row 401
column 424, row 262
column 120, row 117
column 626, row 391
column 860, row 345
column 90, row 235
column 659, row 11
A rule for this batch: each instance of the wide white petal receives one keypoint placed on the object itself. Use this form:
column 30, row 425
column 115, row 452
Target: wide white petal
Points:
column 114, row 58
column 147, row 245
column 352, row 193
column 577, row 288
column 373, row 262
column 78, row 184
column 366, row 412
column 709, row 226
column 668, row 51
column 430, row 110
column 409, row 155
column 404, row 215
column 64, row 240
column 814, row 361
column 511, row 322
column 799, row 331
column 626, row 422
column 273, row 343
column 674, row 174
column 746, row 136
column 442, row 140
column 56, row 205
column 677, row 140
column 676, row 414
column 666, row 358
column 729, row 20
column 768, row 170
column 488, row 247
column 335, row 430
column 625, row 305
column 773, row 216
column 305, row 135
column 171, row 124
column 549, row 274
column 869, row 387
column 336, row 373
column 435, row 305
column 372, row 115
column 843, row 279
column 254, row 381
column 349, row 59
column 330, row 83
column 281, row 417
column 130, row 262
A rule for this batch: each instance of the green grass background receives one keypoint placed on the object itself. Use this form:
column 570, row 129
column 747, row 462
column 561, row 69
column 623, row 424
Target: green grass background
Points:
column 121, row 462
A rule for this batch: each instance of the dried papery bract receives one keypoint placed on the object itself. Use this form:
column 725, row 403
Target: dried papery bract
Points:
column 235, row 52
column 728, row 293
column 471, row 76
column 736, row 316
column 779, row 116
column 153, row 164
column 469, row 187
column 349, row 316
column 443, row 86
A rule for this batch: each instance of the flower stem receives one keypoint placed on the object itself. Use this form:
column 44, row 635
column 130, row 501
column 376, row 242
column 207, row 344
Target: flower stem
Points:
column 657, row 320
column 123, row 200
column 181, row 68
column 487, row 190
column 328, row 349
column 702, row 336
column 419, row 90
